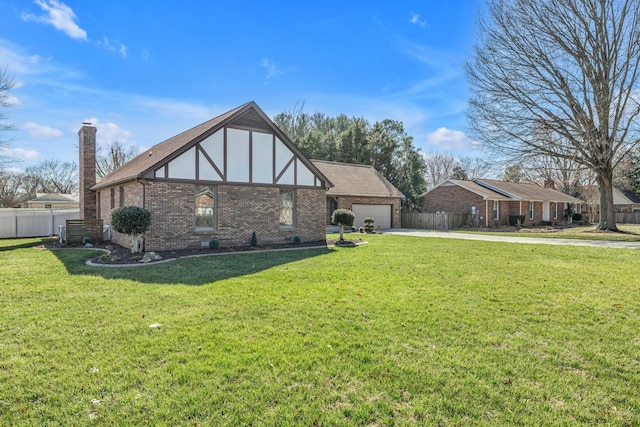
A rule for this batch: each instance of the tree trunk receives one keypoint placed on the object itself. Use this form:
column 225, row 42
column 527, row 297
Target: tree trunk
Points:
column 607, row 213
column 341, row 232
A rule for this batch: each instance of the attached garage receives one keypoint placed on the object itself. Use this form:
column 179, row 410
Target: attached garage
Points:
column 364, row 191
column 380, row 213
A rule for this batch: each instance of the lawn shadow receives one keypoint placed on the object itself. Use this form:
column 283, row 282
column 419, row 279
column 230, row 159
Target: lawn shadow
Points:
column 187, row 271
column 27, row 244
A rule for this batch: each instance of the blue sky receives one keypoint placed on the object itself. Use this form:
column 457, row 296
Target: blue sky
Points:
column 142, row 72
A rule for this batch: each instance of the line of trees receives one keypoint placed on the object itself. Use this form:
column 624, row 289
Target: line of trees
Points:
column 385, row 145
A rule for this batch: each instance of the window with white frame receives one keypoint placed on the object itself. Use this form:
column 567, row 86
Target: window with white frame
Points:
column 531, row 210
column 496, row 210
column 205, row 207
column 287, row 208
column 554, row 210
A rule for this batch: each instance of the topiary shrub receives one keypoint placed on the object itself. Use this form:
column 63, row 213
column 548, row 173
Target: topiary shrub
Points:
column 214, row 244
column 513, row 220
column 343, row 218
column 254, row 239
column 134, row 221
column 297, row 239
column 368, row 224
column 86, row 240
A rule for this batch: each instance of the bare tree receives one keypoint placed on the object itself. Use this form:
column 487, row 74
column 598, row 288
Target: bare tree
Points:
column 6, row 85
column 113, row 156
column 53, row 176
column 559, row 78
column 438, row 167
column 11, row 191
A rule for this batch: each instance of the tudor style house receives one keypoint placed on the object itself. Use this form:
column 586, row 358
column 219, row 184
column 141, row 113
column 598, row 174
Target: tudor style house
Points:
column 224, row 179
column 491, row 202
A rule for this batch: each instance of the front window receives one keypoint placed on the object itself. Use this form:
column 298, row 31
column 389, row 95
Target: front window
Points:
column 205, row 206
column 287, row 205
column 496, row 210
column 554, row 209
column 531, row 210
column 121, row 196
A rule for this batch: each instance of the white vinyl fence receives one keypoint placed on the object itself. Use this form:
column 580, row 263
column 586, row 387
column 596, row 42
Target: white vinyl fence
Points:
column 34, row 222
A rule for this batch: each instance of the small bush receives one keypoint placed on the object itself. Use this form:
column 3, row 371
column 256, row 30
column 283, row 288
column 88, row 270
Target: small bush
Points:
column 131, row 219
column 214, row 244
column 297, row 240
column 368, row 224
column 576, row 217
column 361, row 230
column 254, row 239
column 86, row 240
column 513, row 220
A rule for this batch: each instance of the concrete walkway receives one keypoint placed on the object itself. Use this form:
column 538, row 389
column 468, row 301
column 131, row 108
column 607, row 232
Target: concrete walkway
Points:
column 510, row 238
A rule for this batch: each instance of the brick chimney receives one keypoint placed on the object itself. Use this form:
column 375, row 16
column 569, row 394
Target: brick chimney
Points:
column 87, row 175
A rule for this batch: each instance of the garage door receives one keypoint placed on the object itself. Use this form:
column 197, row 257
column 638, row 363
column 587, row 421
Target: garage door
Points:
column 381, row 213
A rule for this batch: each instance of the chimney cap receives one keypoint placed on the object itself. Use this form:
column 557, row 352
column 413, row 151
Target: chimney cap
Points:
column 87, row 123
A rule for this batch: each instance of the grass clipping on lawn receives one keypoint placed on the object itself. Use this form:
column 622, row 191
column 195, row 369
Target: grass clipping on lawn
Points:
column 401, row 331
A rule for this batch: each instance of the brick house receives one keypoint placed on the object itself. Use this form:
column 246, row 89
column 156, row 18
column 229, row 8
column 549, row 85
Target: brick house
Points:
column 491, row 202
column 363, row 190
column 226, row 178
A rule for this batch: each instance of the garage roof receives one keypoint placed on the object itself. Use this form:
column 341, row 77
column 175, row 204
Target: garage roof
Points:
column 356, row 180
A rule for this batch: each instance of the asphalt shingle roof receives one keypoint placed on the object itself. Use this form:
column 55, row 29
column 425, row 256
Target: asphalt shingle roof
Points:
column 356, row 180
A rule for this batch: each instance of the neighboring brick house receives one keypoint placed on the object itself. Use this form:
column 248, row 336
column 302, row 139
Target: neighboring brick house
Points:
column 624, row 201
column 363, row 190
column 223, row 179
column 491, row 202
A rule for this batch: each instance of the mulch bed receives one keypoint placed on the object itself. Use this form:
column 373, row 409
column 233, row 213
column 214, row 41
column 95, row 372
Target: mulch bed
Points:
column 119, row 255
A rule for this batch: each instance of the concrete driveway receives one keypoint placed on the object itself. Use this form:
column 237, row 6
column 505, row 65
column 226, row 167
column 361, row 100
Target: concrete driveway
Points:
column 510, row 238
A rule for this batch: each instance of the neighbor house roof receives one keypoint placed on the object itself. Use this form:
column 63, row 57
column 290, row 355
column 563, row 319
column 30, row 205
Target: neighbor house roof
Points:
column 356, row 180
column 155, row 155
column 54, row 198
column 527, row 191
column 472, row 186
column 621, row 196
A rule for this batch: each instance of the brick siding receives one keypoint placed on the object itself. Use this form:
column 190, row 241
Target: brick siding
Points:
column 240, row 211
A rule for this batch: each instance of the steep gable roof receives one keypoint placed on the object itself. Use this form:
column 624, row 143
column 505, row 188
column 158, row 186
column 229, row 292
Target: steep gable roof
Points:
column 249, row 115
column 356, row 180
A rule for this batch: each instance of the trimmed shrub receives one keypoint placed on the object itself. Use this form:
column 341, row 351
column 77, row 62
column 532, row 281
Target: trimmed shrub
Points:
column 254, row 239
column 368, row 224
column 214, row 244
column 513, row 220
column 86, row 240
column 297, row 239
column 343, row 218
column 576, row 217
column 134, row 221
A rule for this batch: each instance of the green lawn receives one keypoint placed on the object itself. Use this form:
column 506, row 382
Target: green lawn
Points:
column 400, row 331
column 630, row 233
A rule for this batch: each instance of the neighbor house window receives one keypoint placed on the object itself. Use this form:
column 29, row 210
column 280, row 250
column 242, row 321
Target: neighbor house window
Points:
column 47, row 206
column 287, row 208
column 496, row 210
column 113, row 198
column 554, row 210
column 205, row 207
column 121, row 196
column 531, row 210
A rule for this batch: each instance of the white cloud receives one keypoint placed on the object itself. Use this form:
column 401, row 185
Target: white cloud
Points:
column 271, row 67
column 60, row 16
column 415, row 20
column 41, row 131
column 109, row 132
column 19, row 154
column 451, row 140
column 117, row 47
column 13, row 101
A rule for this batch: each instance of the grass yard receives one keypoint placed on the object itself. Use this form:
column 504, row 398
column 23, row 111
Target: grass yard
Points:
column 400, row 331
column 630, row 233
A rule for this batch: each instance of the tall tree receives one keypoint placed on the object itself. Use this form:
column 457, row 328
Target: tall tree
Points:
column 559, row 77
column 6, row 85
column 11, row 192
column 114, row 155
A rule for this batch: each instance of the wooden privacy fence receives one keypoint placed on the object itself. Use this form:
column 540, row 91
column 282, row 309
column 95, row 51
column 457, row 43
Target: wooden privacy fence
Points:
column 33, row 222
column 628, row 217
column 77, row 229
column 434, row 221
